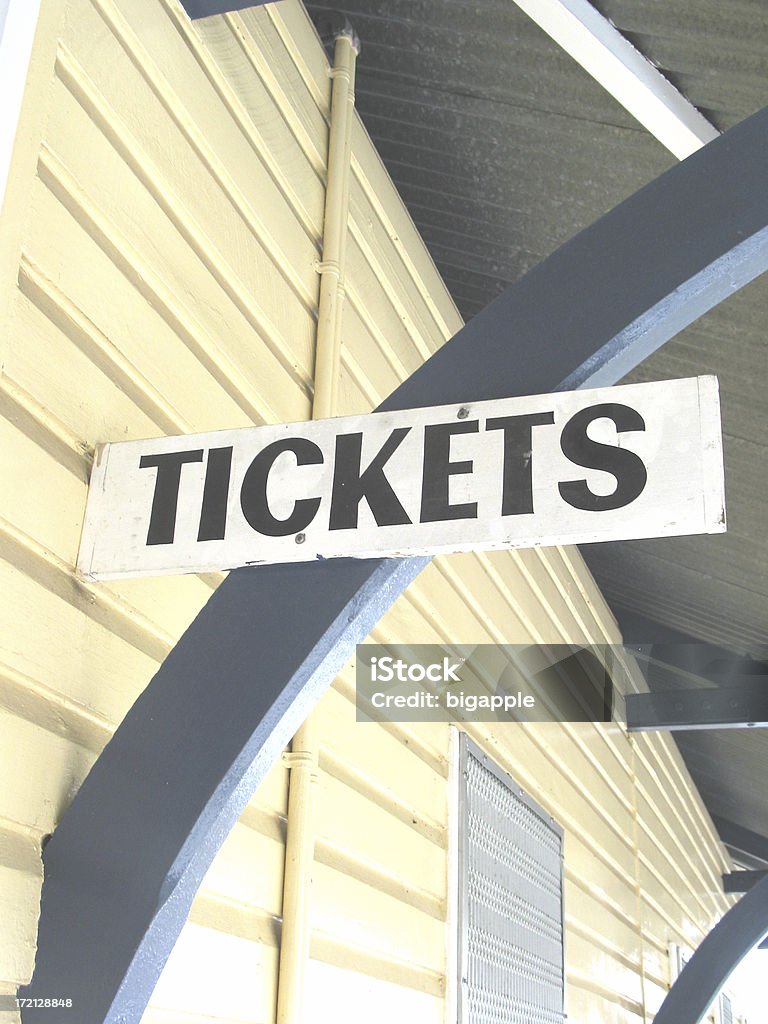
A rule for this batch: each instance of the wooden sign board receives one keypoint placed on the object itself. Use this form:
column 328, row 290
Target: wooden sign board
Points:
column 639, row 460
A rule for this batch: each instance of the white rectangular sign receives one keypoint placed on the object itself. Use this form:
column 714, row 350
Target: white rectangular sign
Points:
column 639, row 460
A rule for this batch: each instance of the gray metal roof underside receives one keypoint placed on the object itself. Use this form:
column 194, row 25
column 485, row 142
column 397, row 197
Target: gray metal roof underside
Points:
column 503, row 148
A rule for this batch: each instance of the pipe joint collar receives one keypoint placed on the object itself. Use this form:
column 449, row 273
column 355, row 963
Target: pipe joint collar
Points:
column 305, row 759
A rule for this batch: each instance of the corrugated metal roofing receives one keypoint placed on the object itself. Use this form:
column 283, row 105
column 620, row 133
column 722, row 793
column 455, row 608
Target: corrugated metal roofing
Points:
column 716, row 54
column 502, row 147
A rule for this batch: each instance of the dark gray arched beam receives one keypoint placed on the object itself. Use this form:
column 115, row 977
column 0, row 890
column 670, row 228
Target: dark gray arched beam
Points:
column 721, row 952
column 128, row 856
column 205, row 8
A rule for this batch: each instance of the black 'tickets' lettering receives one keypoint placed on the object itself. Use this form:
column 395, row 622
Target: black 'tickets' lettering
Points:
column 253, row 494
column 213, row 514
column 438, row 469
column 162, row 519
column 517, row 483
column 351, row 484
column 628, row 468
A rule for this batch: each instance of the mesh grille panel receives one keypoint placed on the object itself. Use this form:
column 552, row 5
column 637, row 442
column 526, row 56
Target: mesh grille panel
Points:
column 726, row 1011
column 512, row 942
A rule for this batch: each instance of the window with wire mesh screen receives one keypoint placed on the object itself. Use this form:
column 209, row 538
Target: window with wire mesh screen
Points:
column 726, row 1010
column 511, row 939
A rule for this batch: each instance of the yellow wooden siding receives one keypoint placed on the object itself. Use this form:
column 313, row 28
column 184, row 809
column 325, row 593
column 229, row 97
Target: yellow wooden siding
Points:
column 159, row 273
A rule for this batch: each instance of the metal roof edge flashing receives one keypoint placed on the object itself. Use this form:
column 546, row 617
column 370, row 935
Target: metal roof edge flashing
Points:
column 197, row 9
